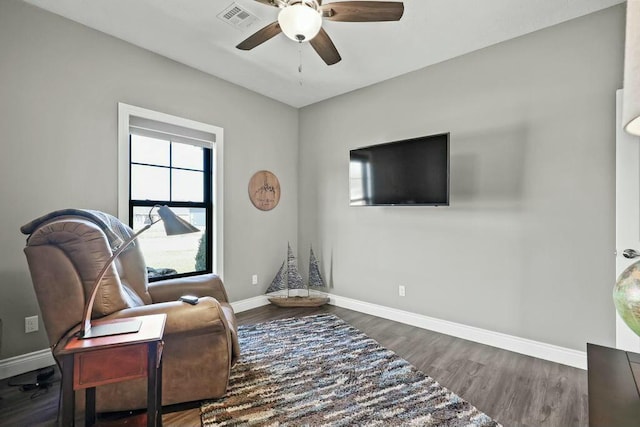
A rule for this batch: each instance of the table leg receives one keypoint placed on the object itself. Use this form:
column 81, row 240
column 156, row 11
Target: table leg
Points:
column 152, row 386
column 159, row 389
column 67, row 411
column 90, row 406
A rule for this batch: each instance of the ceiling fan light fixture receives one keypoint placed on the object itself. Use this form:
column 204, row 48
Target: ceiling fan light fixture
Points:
column 300, row 22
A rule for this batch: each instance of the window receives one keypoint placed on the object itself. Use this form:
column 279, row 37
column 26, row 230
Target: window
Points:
column 166, row 160
column 178, row 175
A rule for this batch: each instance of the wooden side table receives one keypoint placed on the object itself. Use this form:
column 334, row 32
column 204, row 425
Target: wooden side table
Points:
column 88, row 363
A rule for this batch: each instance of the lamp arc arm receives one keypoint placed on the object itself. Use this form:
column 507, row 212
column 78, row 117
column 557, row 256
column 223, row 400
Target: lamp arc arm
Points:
column 86, row 317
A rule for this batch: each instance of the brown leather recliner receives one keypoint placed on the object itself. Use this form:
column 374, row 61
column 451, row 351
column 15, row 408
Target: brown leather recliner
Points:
column 65, row 255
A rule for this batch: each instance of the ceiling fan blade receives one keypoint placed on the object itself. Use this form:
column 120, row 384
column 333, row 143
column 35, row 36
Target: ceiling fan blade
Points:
column 260, row 36
column 363, row 11
column 326, row 49
column 273, row 3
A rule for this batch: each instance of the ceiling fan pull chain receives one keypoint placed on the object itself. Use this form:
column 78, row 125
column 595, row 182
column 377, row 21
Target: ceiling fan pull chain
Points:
column 300, row 62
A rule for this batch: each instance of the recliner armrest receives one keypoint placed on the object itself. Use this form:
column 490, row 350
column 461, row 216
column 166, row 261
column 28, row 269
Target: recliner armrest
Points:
column 182, row 318
column 201, row 286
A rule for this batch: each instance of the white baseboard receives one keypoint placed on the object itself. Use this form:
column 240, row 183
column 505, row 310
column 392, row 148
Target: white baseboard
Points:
column 525, row 346
column 43, row 358
column 553, row 353
column 249, row 303
column 26, row 362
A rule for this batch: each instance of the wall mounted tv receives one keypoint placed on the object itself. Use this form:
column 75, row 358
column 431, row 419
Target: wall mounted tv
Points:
column 412, row 172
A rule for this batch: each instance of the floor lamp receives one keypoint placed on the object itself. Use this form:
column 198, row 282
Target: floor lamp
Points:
column 173, row 225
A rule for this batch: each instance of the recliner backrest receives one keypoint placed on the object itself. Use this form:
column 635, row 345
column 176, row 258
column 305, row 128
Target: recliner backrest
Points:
column 65, row 256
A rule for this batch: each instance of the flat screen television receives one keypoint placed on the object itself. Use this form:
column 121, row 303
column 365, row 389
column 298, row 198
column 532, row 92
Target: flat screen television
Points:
column 412, row 172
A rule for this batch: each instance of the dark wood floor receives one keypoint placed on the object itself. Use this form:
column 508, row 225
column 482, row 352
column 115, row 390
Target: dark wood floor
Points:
column 515, row 390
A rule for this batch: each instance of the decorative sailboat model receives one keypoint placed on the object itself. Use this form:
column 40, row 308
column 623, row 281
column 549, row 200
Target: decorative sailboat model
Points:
column 289, row 278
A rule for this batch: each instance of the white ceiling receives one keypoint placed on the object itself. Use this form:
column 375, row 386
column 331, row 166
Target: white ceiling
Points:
column 430, row 31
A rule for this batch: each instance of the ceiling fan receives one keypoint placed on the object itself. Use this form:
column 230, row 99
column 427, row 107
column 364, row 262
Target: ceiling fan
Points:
column 301, row 21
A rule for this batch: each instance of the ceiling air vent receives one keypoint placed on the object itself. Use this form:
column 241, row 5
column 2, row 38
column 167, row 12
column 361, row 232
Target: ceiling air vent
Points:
column 237, row 17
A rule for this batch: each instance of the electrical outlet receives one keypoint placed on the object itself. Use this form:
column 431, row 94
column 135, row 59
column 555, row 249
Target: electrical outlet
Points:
column 254, row 279
column 401, row 291
column 30, row 324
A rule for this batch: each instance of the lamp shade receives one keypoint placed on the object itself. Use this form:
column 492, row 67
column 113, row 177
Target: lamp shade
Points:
column 300, row 22
column 173, row 224
column 631, row 98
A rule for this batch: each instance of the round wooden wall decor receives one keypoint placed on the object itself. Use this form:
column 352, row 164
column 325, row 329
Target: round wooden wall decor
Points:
column 264, row 190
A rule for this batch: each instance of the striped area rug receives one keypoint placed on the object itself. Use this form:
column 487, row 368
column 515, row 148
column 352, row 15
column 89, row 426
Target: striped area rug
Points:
column 320, row 371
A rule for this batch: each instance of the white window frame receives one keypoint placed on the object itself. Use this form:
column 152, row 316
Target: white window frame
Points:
column 125, row 112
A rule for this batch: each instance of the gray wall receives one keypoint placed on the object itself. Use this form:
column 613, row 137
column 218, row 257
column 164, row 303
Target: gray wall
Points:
column 60, row 83
column 526, row 247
